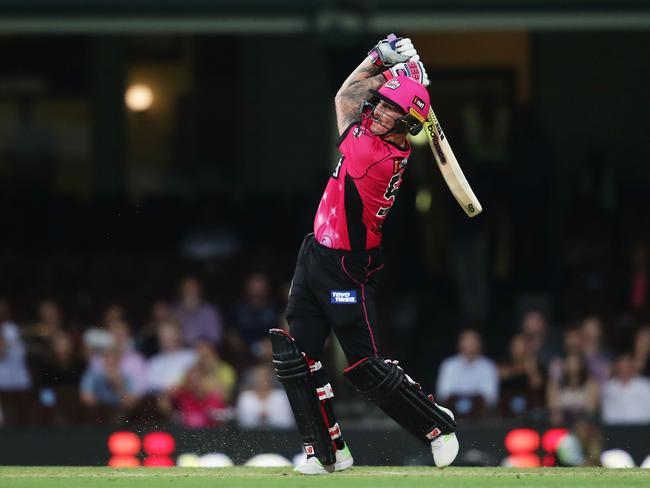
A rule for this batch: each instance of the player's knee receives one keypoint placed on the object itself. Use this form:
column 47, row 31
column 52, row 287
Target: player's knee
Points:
column 288, row 360
column 291, row 363
column 375, row 377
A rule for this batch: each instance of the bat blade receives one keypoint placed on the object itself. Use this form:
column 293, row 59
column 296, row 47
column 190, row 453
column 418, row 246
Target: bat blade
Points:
column 449, row 166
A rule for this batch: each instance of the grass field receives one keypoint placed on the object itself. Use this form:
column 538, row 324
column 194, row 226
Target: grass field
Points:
column 51, row 477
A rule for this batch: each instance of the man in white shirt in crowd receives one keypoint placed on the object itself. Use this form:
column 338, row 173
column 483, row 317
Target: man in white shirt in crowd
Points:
column 626, row 397
column 169, row 366
column 468, row 374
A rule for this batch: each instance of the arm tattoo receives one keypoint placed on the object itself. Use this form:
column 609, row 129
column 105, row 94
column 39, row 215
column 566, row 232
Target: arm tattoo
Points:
column 354, row 89
column 350, row 99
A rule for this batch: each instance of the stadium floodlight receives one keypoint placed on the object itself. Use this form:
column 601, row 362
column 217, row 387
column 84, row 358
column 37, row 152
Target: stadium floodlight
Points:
column 139, row 98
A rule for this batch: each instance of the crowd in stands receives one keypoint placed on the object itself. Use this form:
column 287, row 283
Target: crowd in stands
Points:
column 547, row 375
column 198, row 367
column 171, row 369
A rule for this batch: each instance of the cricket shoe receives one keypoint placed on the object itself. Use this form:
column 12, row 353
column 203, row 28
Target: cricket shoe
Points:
column 445, row 447
column 312, row 465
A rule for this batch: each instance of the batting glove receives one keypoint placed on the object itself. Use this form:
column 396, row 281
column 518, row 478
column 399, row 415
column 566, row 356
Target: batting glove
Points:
column 412, row 69
column 384, row 55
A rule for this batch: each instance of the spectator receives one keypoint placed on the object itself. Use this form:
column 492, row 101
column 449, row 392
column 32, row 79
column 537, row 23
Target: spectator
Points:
column 521, row 379
column 132, row 364
column 113, row 313
column 255, row 314
column 626, row 397
column 265, row 357
column 468, row 376
column 535, row 328
column 198, row 319
column 167, row 368
column 197, row 405
column 8, row 328
column 13, row 368
column 108, row 384
column 572, row 341
column 263, row 405
column 63, row 366
column 148, row 337
column 216, row 374
column 598, row 360
column 642, row 350
column 573, row 392
column 49, row 322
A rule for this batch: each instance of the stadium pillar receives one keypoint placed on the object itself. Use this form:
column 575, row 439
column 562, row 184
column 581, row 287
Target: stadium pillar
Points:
column 108, row 120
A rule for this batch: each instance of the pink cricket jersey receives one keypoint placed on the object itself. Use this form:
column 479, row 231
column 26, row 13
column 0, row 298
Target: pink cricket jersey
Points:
column 361, row 191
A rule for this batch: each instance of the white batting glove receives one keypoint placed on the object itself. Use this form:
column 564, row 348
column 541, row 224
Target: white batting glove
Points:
column 412, row 69
column 385, row 55
column 406, row 48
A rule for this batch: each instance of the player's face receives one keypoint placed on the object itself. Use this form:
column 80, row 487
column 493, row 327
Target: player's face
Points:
column 383, row 118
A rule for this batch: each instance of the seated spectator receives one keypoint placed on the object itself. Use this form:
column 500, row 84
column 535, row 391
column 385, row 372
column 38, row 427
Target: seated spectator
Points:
column 521, row 379
column 255, row 314
column 107, row 384
column 38, row 336
column 468, row 377
column 642, row 350
column 598, row 360
column 572, row 392
column 626, row 397
column 265, row 357
column 113, row 313
column 572, row 341
column 195, row 403
column 542, row 338
column 49, row 322
column 148, row 336
column 167, row 368
column 216, row 374
column 8, row 328
column 198, row 319
column 132, row 364
column 13, row 368
column 263, row 405
column 63, row 366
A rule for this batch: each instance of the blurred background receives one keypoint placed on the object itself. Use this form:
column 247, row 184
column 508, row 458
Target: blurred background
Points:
column 160, row 163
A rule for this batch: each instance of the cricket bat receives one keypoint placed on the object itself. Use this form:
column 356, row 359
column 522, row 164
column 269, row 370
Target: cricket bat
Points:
column 449, row 166
column 446, row 160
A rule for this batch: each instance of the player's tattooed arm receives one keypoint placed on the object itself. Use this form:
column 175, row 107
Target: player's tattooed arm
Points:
column 354, row 89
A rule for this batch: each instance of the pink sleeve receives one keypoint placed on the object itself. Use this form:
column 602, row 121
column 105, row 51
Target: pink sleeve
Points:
column 360, row 149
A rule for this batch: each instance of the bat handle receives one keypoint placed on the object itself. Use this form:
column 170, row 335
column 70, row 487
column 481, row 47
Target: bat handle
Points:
column 392, row 39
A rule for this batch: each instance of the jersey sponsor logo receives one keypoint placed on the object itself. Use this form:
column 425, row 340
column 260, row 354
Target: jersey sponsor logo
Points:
column 343, row 296
column 419, row 102
column 392, row 84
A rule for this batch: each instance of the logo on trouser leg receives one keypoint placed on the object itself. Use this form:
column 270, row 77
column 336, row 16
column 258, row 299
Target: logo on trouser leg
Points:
column 433, row 434
column 343, row 296
column 309, row 450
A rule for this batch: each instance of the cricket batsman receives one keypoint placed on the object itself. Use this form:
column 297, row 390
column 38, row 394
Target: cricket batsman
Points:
column 333, row 287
